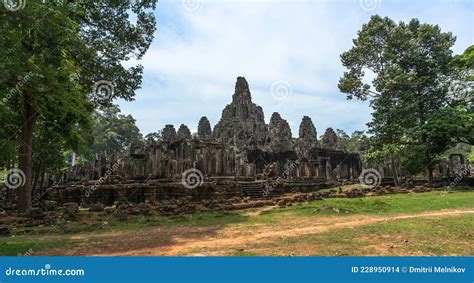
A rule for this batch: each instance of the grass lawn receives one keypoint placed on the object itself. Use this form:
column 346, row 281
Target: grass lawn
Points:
column 423, row 236
column 394, row 203
column 418, row 236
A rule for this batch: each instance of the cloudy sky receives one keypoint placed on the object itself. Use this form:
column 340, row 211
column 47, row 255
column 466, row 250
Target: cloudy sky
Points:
column 287, row 50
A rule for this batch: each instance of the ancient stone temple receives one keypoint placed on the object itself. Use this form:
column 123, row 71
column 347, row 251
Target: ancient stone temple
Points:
column 242, row 144
column 240, row 156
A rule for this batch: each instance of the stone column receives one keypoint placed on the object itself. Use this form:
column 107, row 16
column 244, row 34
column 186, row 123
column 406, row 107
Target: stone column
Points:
column 320, row 173
column 328, row 168
column 204, row 161
column 219, row 162
column 157, row 163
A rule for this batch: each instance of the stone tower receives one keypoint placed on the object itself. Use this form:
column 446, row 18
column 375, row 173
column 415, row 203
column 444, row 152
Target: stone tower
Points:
column 329, row 139
column 184, row 132
column 307, row 132
column 168, row 133
column 280, row 133
column 204, row 129
column 242, row 122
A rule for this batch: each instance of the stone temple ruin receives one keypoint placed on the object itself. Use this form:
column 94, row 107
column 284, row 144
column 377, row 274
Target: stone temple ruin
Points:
column 241, row 157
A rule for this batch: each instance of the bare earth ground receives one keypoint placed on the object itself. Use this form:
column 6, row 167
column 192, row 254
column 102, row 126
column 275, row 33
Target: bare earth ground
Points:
column 429, row 223
column 227, row 240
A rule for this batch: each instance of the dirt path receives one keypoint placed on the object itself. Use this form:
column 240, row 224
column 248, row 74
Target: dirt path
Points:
column 191, row 240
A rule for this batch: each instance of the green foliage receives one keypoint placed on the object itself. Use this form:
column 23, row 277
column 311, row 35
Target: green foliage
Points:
column 156, row 136
column 55, row 57
column 9, row 134
column 113, row 132
column 417, row 113
column 355, row 143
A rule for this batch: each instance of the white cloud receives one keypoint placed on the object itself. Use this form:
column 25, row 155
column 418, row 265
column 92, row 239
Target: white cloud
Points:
column 197, row 56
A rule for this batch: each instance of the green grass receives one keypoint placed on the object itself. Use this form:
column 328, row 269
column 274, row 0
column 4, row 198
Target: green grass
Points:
column 29, row 246
column 425, row 236
column 104, row 222
column 387, row 204
column 244, row 253
column 59, row 236
column 23, row 239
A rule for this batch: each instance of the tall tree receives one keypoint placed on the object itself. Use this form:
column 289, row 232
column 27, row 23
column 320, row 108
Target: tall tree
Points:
column 73, row 53
column 113, row 132
column 413, row 71
column 370, row 54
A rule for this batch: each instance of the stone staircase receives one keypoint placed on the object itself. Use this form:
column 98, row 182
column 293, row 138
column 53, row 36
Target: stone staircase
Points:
column 253, row 189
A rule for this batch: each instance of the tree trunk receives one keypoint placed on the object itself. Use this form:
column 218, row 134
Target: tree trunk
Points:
column 429, row 168
column 430, row 175
column 26, row 153
column 394, row 170
column 36, row 177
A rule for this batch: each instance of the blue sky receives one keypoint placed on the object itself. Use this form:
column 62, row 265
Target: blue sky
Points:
column 201, row 46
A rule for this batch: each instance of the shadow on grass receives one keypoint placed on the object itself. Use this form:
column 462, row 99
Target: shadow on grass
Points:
column 99, row 233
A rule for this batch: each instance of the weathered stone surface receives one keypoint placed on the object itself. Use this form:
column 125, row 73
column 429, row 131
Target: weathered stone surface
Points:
column 204, row 129
column 49, row 205
column 137, row 149
column 280, row 133
column 184, row 133
column 329, row 139
column 71, row 209
column 168, row 133
column 307, row 132
column 242, row 151
column 37, row 213
column 242, row 123
column 96, row 207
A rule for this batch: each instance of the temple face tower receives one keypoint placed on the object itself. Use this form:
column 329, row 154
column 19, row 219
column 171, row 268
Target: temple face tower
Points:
column 329, row 139
column 183, row 132
column 307, row 132
column 242, row 123
column 169, row 133
column 204, row 129
column 280, row 134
